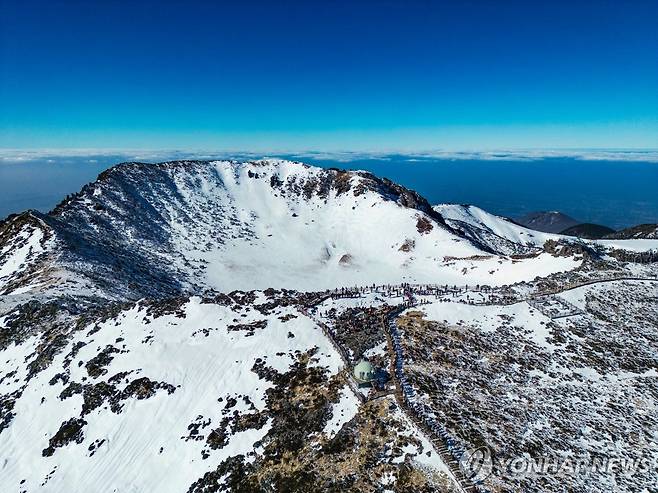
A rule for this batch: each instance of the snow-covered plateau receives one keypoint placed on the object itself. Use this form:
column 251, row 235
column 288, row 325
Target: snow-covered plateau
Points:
column 192, row 326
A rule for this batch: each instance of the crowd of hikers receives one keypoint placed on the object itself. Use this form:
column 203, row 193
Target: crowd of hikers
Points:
column 440, row 292
column 393, row 290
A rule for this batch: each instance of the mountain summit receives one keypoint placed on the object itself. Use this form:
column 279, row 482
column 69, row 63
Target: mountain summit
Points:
column 547, row 221
column 186, row 226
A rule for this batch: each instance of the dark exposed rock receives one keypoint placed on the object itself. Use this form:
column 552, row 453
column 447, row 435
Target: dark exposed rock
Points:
column 46, row 352
column 7, row 403
column 95, row 395
column 94, row 446
column 96, row 366
column 143, row 388
column 648, row 257
column 168, row 306
column 26, row 319
column 423, row 225
column 234, row 473
column 249, row 328
column 70, row 431
column 359, row 329
column 561, row 248
column 587, row 230
column 345, row 259
column 407, row 246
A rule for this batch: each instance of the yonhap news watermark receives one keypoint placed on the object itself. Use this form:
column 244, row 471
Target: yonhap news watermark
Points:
column 478, row 464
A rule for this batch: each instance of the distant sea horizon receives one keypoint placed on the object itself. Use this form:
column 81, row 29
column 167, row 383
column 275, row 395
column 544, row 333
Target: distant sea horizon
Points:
column 617, row 194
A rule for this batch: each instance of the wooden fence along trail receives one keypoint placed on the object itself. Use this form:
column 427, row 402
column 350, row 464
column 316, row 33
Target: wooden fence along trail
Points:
column 340, row 350
column 446, row 448
column 443, row 445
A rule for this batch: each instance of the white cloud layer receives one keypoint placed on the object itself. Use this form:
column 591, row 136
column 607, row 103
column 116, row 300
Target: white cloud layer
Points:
column 93, row 155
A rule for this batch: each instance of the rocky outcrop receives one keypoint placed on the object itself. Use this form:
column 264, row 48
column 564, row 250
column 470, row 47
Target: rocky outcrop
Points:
column 563, row 248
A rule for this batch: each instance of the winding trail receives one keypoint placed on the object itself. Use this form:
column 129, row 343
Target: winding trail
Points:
column 339, row 349
column 395, row 370
column 568, row 287
column 450, row 452
column 598, row 281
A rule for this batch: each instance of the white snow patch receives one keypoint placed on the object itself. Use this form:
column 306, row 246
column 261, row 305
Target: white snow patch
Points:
column 342, row 412
column 143, row 448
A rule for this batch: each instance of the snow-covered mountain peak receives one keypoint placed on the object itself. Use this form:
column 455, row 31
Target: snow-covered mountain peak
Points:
column 183, row 226
column 290, row 179
column 497, row 233
column 145, row 230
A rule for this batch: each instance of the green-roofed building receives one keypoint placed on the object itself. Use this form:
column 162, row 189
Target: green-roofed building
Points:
column 364, row 372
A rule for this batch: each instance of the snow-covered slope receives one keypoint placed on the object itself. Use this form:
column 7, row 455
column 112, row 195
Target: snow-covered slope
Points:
column 187, row 395
column 26, row 242
column 129, row 388
column 499, row 233
column 152, row 230
column 639, row 245
column 505, row 237
column 567, row 376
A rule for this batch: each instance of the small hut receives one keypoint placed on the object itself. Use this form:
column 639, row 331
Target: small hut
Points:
column 364, row 372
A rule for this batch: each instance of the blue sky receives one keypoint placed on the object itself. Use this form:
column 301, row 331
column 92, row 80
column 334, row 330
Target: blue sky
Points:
column 328, row 75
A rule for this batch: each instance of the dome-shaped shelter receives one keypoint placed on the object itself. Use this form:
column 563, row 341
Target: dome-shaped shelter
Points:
column 364, row 372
